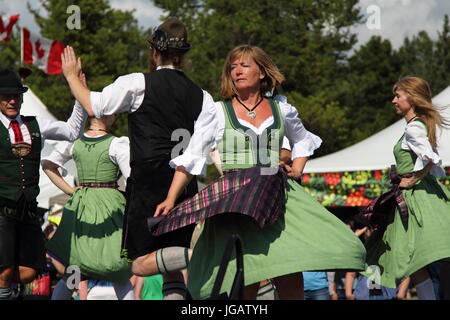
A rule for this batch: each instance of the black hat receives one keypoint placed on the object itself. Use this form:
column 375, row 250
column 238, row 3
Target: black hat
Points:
column 10, row 82
column 170, row 34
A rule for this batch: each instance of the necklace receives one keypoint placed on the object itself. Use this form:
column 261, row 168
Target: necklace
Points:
column 251, row 114
column 411, row 119
column 92, row 129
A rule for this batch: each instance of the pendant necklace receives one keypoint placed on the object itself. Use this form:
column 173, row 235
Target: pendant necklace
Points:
column 92, row 129
column 251, row 114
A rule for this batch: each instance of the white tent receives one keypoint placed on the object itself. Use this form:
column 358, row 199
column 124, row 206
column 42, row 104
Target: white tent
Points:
column 375, row 152
column 32, row 106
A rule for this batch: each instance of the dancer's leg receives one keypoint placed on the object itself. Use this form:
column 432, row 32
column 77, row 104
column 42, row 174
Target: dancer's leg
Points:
column 290, row 286
column 266, row 291
column 424, row 285
column 25, row 275
column 251, row 291
column 6, row 275
column 162, row 261
column 174, row 287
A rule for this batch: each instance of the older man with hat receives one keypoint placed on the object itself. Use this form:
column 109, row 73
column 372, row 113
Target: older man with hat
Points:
column 22, row 253
column 158, row 103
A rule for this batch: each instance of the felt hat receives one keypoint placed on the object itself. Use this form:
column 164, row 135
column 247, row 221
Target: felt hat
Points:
column 10, row 82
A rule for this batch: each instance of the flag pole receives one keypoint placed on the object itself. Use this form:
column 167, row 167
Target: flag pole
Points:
column 21, row 47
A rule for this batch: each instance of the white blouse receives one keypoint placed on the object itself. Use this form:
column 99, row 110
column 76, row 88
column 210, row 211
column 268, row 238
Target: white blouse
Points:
column 210, row 126
column 119, row 154
column 51, row 129
column 416, row 140
column 125, row 95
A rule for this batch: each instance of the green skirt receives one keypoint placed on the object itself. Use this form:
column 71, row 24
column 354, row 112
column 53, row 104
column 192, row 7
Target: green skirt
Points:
column 400, row 249
column 306, row 238
column 90, row 234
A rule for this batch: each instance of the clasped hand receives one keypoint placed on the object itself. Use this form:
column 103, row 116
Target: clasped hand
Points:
column 408, row 183
column 291, row 172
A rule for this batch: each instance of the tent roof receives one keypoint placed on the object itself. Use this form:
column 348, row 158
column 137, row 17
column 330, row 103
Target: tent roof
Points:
column 375, row 152
column 33, row 106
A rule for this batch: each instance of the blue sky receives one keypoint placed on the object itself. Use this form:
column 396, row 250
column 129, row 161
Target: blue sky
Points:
column 398, row 18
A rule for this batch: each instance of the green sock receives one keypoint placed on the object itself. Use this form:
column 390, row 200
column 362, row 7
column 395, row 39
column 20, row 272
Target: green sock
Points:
column 172, row 259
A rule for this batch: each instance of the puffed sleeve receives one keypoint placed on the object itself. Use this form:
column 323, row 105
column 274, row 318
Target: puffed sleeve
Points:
column 70, row 130
column 60, row 157
column 286, row 144
column 417, row 141
column 302, row 141
column 119, row 153
column 123, row 95
column 195, row 156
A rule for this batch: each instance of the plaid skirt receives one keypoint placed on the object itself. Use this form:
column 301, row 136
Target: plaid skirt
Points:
column 376, row 213
column 244, row 191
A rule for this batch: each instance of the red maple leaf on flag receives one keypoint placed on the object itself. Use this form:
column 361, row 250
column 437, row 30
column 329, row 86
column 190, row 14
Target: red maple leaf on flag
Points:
column 39, row 51
column 5, row 30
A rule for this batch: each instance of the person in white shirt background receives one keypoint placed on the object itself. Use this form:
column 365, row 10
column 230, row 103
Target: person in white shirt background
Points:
column 22, row 253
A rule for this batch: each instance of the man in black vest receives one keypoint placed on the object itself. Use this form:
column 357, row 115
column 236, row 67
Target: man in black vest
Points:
column 22, row 252
column 158, row 104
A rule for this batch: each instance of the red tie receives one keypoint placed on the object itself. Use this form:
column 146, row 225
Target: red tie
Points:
column 17, row 132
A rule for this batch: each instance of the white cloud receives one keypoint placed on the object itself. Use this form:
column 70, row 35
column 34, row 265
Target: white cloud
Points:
column 402, row 18
column 146, row 13
column 20, row 7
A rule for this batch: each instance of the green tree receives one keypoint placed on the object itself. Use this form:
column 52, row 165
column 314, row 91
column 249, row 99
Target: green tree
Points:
column 331, row 119
column 441, row 78
column 10, row 51
column 366, row 91
column 421, row 56
column 308, row 40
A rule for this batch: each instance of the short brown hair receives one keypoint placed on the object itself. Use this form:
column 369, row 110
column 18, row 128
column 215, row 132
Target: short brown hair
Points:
column 173, row 57
column 273, row 76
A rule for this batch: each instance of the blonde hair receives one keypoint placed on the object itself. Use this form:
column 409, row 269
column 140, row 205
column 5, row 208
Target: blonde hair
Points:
column 273, row 76
column 419, row 95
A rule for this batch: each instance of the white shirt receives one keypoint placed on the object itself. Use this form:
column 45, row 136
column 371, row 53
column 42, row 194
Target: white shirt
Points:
column 125, row 95
column 50, row 129
column 210, row 126
column 416, row 140
column 119, row 154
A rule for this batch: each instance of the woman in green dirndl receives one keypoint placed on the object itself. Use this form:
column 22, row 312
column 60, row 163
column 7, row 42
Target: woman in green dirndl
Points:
column 90, row 233
column 412, row 228
column 284, row 231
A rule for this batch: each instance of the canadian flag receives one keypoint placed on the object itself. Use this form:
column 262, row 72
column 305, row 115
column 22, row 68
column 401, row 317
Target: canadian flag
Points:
column 42, row 52
column 6, row 25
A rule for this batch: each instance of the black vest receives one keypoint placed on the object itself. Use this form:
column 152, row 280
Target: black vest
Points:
column 172, row 101
column 20, row 175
